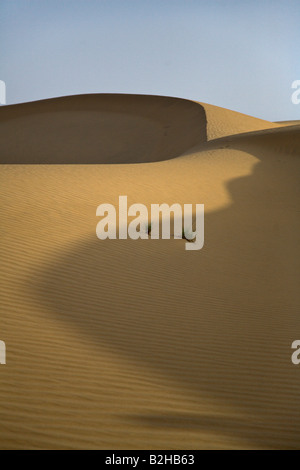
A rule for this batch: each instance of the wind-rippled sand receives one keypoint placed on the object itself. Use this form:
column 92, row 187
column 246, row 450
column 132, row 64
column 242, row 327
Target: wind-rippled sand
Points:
column 123, row 344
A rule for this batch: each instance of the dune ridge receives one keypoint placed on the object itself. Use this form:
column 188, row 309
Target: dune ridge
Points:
column 100, row 129
column 113, row 129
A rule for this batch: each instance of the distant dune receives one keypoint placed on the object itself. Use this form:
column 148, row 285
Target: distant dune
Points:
column 288, row 123
column 123, row 344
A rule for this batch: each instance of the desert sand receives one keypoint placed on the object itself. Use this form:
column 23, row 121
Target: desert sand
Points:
column 123, row 344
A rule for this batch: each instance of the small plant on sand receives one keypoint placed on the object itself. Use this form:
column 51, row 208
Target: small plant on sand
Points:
column 148, row 228
column 188, row 235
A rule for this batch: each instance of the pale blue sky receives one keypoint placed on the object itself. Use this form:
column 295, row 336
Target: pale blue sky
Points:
column 238, row 54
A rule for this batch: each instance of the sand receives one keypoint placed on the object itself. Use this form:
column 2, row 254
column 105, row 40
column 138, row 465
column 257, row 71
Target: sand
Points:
column 123, row 344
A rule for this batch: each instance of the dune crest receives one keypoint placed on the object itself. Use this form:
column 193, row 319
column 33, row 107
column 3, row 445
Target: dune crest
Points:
column 100, row 129
column 113, row 129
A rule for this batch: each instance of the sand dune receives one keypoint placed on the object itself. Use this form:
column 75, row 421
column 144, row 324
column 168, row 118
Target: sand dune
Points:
column 100, row 129
column 288, row 123
column 222, row 122
column 140, row 344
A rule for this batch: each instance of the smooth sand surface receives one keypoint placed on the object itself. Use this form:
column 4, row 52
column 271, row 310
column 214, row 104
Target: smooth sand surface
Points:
column 123, row 344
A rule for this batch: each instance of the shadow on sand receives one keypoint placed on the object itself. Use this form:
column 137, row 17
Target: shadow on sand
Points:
column 218, row 322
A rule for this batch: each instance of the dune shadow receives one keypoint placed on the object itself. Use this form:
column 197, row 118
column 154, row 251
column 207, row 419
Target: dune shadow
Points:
column 253, row 432
column 218, row 322
column 100, row 128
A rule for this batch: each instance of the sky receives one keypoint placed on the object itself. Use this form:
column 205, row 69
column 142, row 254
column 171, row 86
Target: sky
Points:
column 237, row 54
